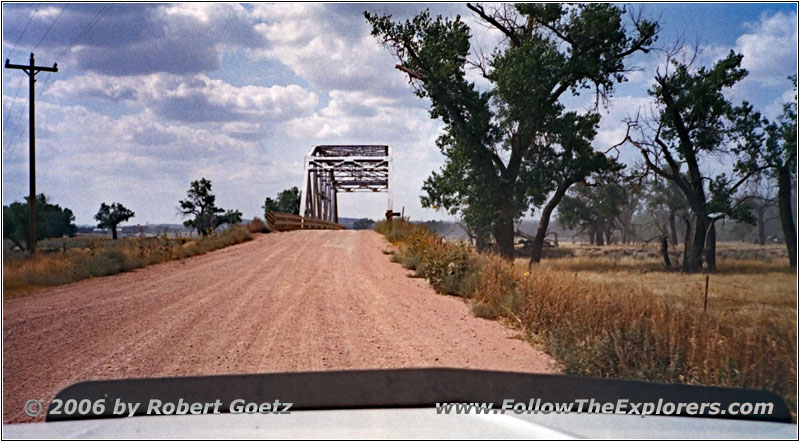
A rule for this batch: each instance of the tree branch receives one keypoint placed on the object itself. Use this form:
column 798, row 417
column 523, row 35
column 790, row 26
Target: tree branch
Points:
column 748, row 175
column 411, row 73
column 478, row 9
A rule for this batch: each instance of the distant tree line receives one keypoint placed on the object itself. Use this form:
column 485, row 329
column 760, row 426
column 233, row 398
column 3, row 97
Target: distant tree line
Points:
column 363, row 224
column 51, row 221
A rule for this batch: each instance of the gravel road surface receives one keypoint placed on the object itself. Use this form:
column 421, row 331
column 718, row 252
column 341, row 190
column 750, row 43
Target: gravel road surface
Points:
column 293, row 301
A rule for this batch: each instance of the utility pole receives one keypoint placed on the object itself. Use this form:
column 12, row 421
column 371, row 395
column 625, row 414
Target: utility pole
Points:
column 32, row 70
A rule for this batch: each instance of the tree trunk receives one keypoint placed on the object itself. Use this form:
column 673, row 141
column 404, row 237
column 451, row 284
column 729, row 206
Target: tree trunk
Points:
column 598, row 236
column 481, row 243
column 504, row 236
column 695, row 245
column 688, row 234
column 114, row 231
column 544, row 222
column 592, row 233
column 785, row 212
column 504, row 227
column 626, row 222
column 711, row 248
column 609, row 236
column 665, row 251
column 673, row 230
column 762, row 235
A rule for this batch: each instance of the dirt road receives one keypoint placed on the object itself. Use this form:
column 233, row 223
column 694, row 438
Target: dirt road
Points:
column 295, row 301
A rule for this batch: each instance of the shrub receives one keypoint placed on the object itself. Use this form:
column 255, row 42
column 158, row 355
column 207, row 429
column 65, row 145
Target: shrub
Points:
column 257, row 226
column 449, row 268
column 597, row 329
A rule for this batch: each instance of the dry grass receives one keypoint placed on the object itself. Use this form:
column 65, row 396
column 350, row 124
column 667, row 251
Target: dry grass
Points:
column 101, row 257
column 611, row 312
column 750, row 280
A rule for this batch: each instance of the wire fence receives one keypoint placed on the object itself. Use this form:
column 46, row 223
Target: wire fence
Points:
column 706, row 289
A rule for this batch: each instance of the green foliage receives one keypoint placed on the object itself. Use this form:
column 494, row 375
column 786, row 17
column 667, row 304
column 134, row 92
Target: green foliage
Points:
column 201, row 204
column 695, row 123
column 508, row 148
column 109, row 217
column 231, row 217
column 288, row 201
column 51, row 221
column 599, row 204
column 665, row 194
column 722, row 201
column 695, row 111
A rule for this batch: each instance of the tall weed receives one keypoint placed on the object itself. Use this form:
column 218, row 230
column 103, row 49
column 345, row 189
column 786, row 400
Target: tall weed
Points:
column 595, row 328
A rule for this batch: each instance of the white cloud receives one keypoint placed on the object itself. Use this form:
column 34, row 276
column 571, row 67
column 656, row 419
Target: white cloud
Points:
column 357, row 116
column 95, row 85
column 328, row 50
column 144, row 162
column 770, row 49
column 196, row 98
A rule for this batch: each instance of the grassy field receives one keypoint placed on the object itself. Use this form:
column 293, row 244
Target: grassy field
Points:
column 750, row 281
column 65, row 260
column 615, row 311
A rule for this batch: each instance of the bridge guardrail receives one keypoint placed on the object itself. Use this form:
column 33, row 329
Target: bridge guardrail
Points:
column 286, row 221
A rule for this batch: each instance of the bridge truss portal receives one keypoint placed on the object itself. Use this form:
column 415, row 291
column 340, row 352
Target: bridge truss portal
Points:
column 333, row 169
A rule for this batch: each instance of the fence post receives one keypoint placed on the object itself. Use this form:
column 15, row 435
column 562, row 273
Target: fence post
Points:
column 705, row 302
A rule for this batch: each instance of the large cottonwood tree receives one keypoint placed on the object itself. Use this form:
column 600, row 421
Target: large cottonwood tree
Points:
column 781, row 157
column 694, row 122
column 514, row 145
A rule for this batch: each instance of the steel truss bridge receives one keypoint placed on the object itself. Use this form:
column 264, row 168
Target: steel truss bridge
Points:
column 343, row 168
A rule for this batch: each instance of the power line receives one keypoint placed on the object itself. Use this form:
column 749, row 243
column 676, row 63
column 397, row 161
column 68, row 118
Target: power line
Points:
column 77, row 38
column 44, row 86
column 86, row 28
column 33, row 50
column 48, row 29
column 19, row 128
column 19, row 84
column 72, row 44
column 13, row 100
column 25, row 28
column 74, row 41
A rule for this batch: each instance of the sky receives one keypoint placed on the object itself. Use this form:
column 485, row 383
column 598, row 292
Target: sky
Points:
column 150, row 97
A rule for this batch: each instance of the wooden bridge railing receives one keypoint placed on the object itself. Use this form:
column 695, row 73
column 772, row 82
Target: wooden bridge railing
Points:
column 287, row 221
